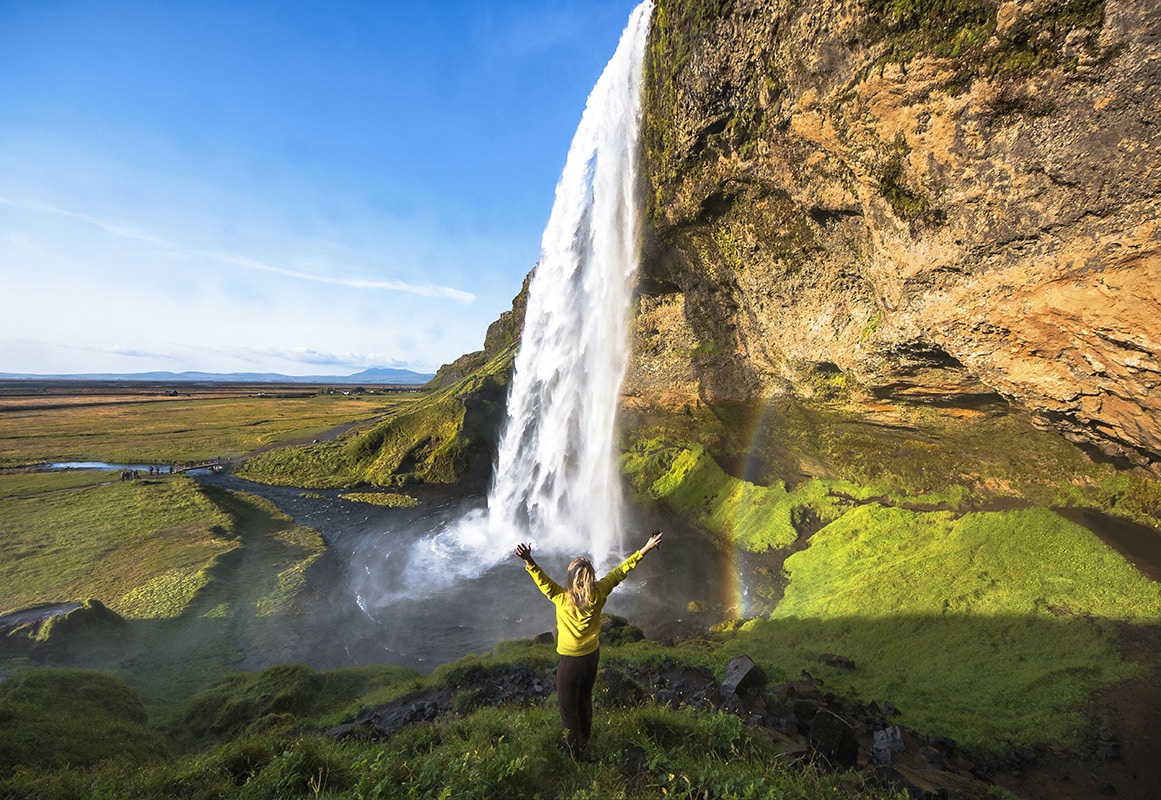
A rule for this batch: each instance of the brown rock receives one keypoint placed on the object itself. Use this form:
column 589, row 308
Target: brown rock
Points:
column 830, row 190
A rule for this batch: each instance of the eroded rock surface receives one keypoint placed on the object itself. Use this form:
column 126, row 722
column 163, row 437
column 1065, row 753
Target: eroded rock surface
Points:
column 944, row 205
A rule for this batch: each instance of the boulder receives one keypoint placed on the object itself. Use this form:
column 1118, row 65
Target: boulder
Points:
column 742, row 676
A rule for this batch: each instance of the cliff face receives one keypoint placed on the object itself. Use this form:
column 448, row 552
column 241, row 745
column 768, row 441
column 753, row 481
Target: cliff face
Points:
column 886, row 204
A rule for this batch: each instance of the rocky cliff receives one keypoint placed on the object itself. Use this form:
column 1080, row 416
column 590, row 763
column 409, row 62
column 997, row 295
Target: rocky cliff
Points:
column 883, row 201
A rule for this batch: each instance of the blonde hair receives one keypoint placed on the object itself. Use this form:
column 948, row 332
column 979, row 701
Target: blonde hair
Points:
column 582, row 583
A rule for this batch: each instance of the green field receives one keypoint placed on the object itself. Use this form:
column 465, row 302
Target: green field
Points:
column 176, row 431
column 199, row 576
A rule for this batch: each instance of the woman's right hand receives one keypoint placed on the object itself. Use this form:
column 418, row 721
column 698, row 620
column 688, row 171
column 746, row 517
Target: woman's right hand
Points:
column 524, row 552
column 654, row 541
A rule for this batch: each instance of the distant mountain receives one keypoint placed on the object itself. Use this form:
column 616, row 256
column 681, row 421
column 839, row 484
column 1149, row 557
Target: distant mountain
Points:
column 375, row 376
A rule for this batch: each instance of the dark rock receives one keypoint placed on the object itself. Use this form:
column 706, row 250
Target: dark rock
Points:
column 742, row 675
column 887, row 742
column 389, row 718
column 933, row 757
column 833, row 738
column 618, row 689
column 1108, row 748
column 840, row 662
column 687, row 686
column 544, row 638
column 916, row 786
column 1103, row 787
column 806, row 710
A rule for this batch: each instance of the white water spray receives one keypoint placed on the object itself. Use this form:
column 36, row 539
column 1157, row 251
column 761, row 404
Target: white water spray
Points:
column 556, row 477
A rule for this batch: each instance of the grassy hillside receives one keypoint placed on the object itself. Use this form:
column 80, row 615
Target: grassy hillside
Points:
column 193, row 576
column 262, row 736
column 448, row 436
column 928, row 555
column 172, row 430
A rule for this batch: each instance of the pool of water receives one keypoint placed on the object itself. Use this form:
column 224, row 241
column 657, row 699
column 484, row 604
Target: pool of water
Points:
column 390, row 591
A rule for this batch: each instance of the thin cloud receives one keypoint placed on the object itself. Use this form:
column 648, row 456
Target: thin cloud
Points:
column 116, row 230
column 421, row 289
column 424, row 289
column 307, row 355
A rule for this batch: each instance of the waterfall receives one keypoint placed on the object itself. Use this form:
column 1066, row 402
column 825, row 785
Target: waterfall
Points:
column 556, row 478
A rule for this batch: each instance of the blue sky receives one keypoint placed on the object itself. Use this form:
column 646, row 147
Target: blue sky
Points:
column 304, row 188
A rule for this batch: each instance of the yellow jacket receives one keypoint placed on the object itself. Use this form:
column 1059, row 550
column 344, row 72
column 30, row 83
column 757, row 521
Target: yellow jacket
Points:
column 578, row 632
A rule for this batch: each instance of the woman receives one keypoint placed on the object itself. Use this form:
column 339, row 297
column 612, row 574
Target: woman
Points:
column 578, row 629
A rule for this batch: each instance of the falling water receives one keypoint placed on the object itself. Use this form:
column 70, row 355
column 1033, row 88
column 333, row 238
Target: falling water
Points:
column 556, row 475
column 556, row 479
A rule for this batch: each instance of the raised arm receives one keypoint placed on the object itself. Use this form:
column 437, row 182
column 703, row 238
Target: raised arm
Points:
column 547, row 585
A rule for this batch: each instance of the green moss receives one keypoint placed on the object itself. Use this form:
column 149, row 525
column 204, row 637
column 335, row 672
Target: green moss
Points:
column 908, row 204
column 876, row 561
column 445, row 437
column 388, row 499
column 290, row 694
column 56, row 718
column 959, row 29
column 687, row 480
column 999, row 624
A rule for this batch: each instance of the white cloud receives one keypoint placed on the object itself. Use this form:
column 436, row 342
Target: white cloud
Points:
column 126, row 232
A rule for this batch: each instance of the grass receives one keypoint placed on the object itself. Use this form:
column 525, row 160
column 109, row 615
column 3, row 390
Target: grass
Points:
column 501, row 752
column 875, row 562
column 111, row 542
column 447, row 436
column 175, row 431
column 388, row 499
column 1003, row 621
column 31, row 482
column 56, row 719
column 198, row 574
column 994, row 627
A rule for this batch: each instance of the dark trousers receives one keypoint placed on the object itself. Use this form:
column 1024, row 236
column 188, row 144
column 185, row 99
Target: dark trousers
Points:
column 575, row 676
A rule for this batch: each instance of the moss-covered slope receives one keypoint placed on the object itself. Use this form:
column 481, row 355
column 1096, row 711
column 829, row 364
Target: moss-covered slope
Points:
column 448, row 436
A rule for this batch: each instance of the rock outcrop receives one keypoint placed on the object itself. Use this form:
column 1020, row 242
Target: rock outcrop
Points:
column 944, row 203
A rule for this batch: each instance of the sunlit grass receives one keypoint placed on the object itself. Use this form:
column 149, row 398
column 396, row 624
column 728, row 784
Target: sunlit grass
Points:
column 176, row 431
column 993, row 627
column 30, row 482
column 110, row 542
column 876, row 562
column 388, row 499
